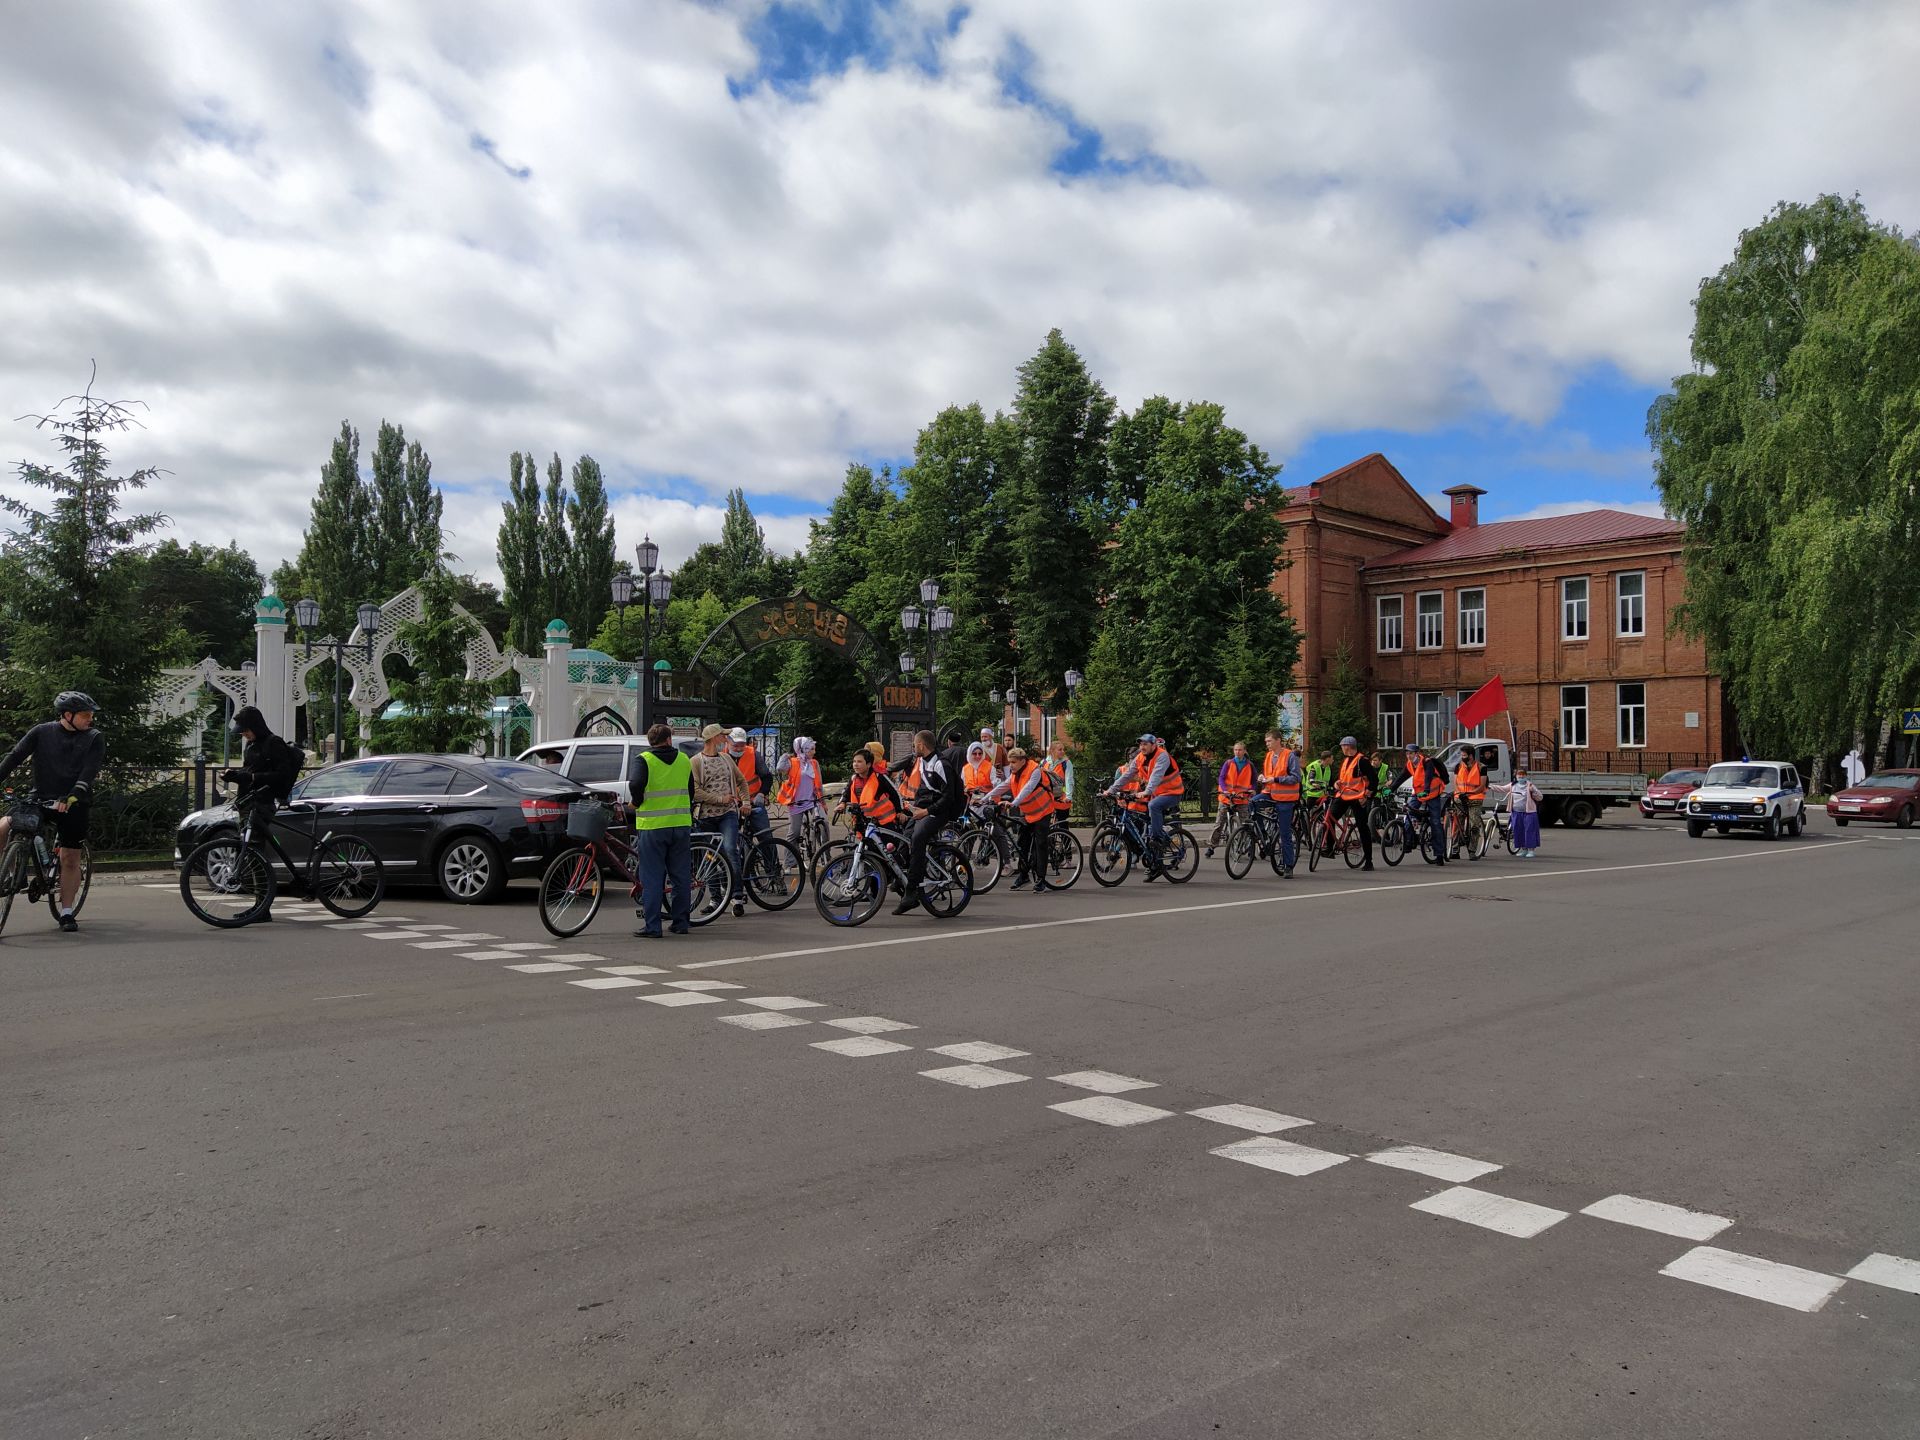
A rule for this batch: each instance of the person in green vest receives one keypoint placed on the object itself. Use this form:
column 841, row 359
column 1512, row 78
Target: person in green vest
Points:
column 661, row 783
column 1317, row 779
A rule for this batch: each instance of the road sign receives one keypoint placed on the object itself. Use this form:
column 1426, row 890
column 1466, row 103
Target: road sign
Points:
column 1910, row 722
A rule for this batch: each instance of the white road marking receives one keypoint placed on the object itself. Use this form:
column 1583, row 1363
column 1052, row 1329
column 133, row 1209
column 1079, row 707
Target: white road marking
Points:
column 678, row 997
column 1102, row 1081
column 702, row 985
column 490, row 955
column 781, row 1002
column 439, row 944
column 761, row 1020
column 980, row 1050
column 160, row 885
column 608, row 982
column 1438, row 1163
column 313, row 919
column 974, row 1077
column 860, row 1045
column 1652, row 1215
column 418, row 926
column 1249, row 1117
column 1491, row 1212
column 594, row 960
column 871, row 1024
column 1756, row 1279
column 525, row 945
column 395, row 935
column 1107, row 1110
column 471, row 935
column 1282, row 1155
column 356, row 995
column 543, row 967
column 1302, row 895
column 1888, row 1270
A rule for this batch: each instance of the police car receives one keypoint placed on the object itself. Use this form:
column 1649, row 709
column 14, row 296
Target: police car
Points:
column 1763, row 795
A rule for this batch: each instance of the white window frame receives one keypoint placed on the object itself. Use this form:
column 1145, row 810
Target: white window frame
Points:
column 1568, row 711
column 1429, row 733
column 1575, row 619
column 1471, row 634
column 1439, row 618
column 1625, row 714
column 1630, row 620
column 1399, row 619
column 1390, row 737
column 1478, row 732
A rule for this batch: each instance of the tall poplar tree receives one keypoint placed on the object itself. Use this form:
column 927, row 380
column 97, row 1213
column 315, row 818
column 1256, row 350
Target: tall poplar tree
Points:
column 426, row 539
column 387, row 547
column 591, row 558
column 519, row 553
column 335, row 563
column 554, row 568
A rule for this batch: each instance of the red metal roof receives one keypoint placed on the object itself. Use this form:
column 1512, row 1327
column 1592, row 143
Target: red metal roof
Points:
column 1557, row 532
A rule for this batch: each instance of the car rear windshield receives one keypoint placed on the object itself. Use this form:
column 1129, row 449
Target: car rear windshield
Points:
column 1743, row 776
column 1888, row 782
column 1680, row 777
column 529, row 779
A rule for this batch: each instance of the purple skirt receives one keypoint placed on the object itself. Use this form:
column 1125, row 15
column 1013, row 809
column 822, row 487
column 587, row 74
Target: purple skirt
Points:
column 1526, row 830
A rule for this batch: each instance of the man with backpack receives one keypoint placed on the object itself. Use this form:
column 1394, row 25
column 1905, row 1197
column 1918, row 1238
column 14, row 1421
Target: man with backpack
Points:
column 268, row 768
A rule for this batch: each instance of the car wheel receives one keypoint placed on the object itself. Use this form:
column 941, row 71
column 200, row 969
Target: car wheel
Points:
column 1772, row 828
column 470, row 870
column 1580, row 814
column 1838, row 821
column 1905, row 819
column 1696, row 828
column 1723, row 829
column 1796, row 825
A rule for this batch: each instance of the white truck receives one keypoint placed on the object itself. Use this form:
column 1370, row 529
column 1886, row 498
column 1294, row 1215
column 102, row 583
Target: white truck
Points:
column 1572, row 797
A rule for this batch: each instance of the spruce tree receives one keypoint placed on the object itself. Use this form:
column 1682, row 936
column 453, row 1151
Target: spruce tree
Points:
column 591, row 557
column 1343, row 711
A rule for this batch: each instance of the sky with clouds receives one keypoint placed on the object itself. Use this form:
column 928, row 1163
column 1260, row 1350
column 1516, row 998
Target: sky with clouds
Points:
column 736, row 242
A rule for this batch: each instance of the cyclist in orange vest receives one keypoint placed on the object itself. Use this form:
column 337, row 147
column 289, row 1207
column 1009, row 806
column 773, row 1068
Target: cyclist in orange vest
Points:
column 1470, row 790
column 1354, row 780
column 799, row 785
column 871, row 792
column 1280, row 788
column 1429, row 785
column 977, row 774
column 1234, row 785
column 1060, row 776
column 1031, row 793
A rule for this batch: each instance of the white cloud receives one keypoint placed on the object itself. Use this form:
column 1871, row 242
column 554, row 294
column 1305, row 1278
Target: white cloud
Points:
column 262, row 219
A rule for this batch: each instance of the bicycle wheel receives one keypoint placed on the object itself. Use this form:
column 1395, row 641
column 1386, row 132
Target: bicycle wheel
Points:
column 948, row 884
column 1393, row 841
column 1429, row 845
column 1351, row 849
column 570, row 891
column 1506, row 836
column 983, row 858
column 227, row 884
column 13, row 875
column 848, row 885
column 712, row 883
column 1476, row 841
column 1314, row 837
column 775, row 876
column 1064, row 859
column 348, row 877
column 1111, row 856
column 1180, row 858
column 86, row 881
column 1242, row 846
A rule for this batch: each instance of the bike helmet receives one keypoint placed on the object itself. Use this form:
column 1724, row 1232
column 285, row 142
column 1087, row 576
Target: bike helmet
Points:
column 69, row 701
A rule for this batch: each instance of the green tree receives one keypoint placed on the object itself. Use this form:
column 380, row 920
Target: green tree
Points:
column 1111, row 709
column 1245, row 701
column 425, row 536
column 440, row 710
column 519, row 555
column 481, row 599
column 1343, row 711
column 335, row 564
column 1130, row 452
column 555, row 571
column 71, row 611
column 206, row 594
column 389, row 557
column 1790, row 453
column 590, row 559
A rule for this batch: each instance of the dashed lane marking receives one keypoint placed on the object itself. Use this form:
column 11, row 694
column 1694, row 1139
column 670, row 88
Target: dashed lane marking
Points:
column 608, row 982
column 1249, row 1117
column 1888, row 1270
column 471, row 935
column 396, row 935
column 1282, row 1155
column 1298, row 897
column 762, row 1020
column 1653, row 1215
column 594, row 960
column 1110, row 1110
column 543, row 967
column 871, row 1024
column 1438, row 1163
column 525, row 945
column 437, row 944
column 974, row 1077
column 1519, row 1218
column 781, row 1002
column 678, row 997
column 702, row 985
column 980, row 1050
column 1754, row 1278
column 858, row 1046
column 490, row 955
column 1102, row 1082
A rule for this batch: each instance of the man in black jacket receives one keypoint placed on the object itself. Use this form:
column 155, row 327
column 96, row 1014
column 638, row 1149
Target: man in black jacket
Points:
column 66, row 754
column 268, row 768
column 936, row 805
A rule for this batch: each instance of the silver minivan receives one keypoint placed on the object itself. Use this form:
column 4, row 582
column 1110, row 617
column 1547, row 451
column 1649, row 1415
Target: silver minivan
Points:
column 599, row 762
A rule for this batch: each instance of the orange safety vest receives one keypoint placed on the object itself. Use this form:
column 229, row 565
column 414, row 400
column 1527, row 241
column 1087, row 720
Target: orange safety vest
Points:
column 977, row 775
column 1237, row 789
column 873, row 800
column 1039, row 803
column 1171, row 785
column 750, row 771
column 1470, row 781
column 910, row 786
column 792, row 781
column 1352, row 781
column 1274, row 780
column 1057, row 778
column 879, row 766
column 1428, row 782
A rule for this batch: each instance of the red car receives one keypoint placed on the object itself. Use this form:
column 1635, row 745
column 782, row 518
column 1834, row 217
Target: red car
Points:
column 1891, row 795
column 1667, row 796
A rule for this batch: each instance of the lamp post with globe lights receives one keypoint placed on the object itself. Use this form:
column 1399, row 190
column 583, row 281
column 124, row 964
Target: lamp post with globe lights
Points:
column 937, row 621
column 306, row 614
column 655, row 587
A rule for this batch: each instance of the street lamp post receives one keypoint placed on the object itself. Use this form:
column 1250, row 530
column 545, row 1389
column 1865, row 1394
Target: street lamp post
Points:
column 937, row 620
column 1015, row 728
column 656, row 588
column 306, row 614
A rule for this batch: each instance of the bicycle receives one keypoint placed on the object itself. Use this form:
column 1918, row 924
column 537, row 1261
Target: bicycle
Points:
column 1065, row 857
column 982, row 838
column 1306, row 815
column 854, row 875
column 1495, row 828
column 573, row 883
column 1329, row 836
column 29, row 862
column 815, row 836
column 1258, row 835
column 230, row 881
column 1121, row 837
column 1403, row 833
column 770, row 871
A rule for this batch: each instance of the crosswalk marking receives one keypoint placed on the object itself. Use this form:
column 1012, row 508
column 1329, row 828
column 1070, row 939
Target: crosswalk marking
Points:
column 1754, row 1278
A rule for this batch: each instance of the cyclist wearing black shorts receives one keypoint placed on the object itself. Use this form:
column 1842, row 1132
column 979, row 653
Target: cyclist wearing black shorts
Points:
column 268, row 768
column 66, row 755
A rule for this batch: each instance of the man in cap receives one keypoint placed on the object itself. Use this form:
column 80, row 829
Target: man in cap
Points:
column 759, row 781
column 719, row 795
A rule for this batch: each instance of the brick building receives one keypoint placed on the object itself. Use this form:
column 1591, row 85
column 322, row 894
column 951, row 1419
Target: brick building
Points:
column 1571, row 612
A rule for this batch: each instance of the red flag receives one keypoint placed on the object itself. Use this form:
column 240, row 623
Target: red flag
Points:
column 1489, row 699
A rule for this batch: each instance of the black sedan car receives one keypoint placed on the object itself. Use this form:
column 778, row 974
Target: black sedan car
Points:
column 464, row 824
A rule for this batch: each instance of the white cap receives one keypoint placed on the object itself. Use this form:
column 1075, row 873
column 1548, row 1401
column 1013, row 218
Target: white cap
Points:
column 737, row 735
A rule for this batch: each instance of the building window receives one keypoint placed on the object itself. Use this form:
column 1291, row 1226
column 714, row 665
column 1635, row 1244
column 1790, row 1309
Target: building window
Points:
column 1473, row 619
column 1431, row 620
column 1633, row 716
column 1573, row 608
column 1429, row 718
column 1478, row 732
column 1391, row 723
column 1392, row 624
column 1573, row 716
column 1630, row 601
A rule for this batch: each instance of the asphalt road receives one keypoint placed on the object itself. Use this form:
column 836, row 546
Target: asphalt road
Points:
column 308, row 1182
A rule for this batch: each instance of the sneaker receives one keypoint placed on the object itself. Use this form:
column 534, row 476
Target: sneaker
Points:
column 1019, row 884
column 69, row 924
column 1367, row 866
column 1207, row 854
column 907, row 906
column 739, row 908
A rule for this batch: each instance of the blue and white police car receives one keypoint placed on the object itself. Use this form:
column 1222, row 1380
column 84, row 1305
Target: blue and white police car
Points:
column 1763, row 795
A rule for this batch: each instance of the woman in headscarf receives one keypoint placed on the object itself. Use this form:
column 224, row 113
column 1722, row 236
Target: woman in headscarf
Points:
column 977, row 774
column 799, row 785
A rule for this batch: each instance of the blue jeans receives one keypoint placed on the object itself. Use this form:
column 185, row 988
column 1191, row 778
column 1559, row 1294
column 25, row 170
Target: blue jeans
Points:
column 1283, row 815
column 1157, row 809
column 762, row 826
column 1434, row 812
column 727, row 827
column 666, row 855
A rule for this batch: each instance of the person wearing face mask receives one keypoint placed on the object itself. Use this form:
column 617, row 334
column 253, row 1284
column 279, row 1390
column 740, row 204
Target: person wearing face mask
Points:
column 799, row 785
column 759, row 781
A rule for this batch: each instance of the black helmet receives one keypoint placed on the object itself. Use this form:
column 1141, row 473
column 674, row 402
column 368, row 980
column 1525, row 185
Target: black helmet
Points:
column 68, row 701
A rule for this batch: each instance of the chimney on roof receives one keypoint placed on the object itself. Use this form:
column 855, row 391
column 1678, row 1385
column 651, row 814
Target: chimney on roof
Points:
column 1466, row 505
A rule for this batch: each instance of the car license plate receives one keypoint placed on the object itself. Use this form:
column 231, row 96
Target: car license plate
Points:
column 1852, row 805
column 1663, row 804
